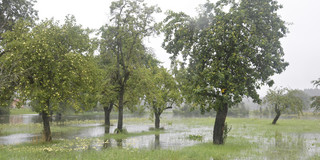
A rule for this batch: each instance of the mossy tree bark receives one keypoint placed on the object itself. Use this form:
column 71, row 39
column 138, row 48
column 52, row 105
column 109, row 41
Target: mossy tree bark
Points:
column 46, row 126
column 277, row 116
column 107, row 111
column 157, row 120
column 219, row 125
column 120, row 111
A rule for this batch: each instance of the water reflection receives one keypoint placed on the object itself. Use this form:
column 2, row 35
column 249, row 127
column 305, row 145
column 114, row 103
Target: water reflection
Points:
column 4, row 119
column 285, row 146
column 157, row 141
column 119, row 143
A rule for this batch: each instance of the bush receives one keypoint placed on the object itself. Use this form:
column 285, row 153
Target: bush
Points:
column 188, row 111
column 239, row 111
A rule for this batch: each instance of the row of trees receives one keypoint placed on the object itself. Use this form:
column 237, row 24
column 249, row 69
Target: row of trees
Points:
column 54, row 65
column 229, row 51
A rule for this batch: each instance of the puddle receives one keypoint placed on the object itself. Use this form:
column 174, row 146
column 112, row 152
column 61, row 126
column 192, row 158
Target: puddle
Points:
column 172, row 139
column 18, row 138
column 286, row 145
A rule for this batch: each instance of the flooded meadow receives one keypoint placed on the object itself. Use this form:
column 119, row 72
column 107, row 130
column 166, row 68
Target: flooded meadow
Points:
column 290, row 139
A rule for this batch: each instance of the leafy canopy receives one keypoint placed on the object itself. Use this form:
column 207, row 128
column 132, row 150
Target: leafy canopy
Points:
column 232, row 48
column 10, row 12
column 54, row 61
column 316, row 99
column 122, row 48
column 13, row 10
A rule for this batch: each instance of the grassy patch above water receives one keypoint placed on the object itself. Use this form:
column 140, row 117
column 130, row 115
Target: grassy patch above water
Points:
column 83, row 149
column 195, row 137
column 124, row 136
column 284, row 125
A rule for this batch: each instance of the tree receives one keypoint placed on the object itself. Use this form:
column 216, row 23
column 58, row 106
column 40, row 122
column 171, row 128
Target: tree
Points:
column 316, row 99
column 56, row 63
column 10, row 12
column 162, row 93
column 284, row 99
column 122, row 39
column 107, row 90
column 232, row 48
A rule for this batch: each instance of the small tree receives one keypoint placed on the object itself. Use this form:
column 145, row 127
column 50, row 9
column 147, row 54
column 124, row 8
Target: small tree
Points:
column 284, row 99
column 56, row 63
column 162, row 93
column 122, row 40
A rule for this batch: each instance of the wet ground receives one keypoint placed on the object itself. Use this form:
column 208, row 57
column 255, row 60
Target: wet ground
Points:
column 175, row 136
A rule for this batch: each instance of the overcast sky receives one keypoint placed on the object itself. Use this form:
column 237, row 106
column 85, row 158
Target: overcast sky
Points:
column 301, row 45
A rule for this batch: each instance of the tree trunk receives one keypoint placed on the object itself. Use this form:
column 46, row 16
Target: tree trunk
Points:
column 219, row 124
column 107, row 111
column 157, row 120
column 120, row 110
column 277, row 116
column 46, row 126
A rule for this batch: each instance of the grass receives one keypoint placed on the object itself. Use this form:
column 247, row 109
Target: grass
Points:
column 127, row 135
column 248, row 139
column 36, row 128
column 79, row 149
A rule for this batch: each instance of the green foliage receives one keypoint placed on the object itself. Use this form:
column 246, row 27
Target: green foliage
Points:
column 315, row 103
column 123, row 52
column 10, row 12
column 195, row 137
column 121, row 47
column 232, row 49
column 53, row 62
column 4, row 110
column 316, row 99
